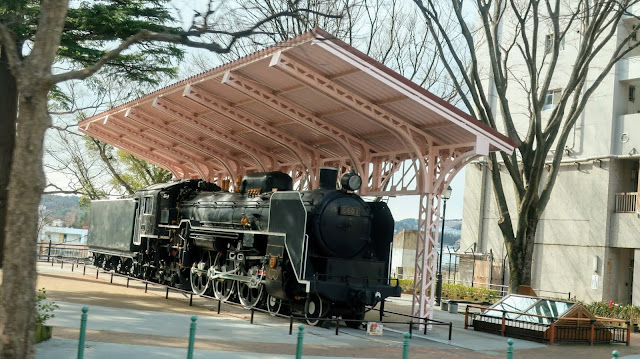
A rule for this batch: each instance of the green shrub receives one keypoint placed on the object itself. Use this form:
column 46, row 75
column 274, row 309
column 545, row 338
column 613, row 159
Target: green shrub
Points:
column 615, row 311
column 457, row 291
column 44, row 309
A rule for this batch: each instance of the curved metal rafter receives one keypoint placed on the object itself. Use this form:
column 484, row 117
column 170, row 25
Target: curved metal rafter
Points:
column 140, row 136
column 188, row 118
column 405, row 131
column 144, row 119
column 171, row 165
column 298, row 114
column 224, row 108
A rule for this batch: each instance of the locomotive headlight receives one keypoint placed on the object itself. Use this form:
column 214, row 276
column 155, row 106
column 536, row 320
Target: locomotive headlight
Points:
column 351, row 182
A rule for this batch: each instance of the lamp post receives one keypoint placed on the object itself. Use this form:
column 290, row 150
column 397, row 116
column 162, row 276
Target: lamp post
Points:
column 445, row 196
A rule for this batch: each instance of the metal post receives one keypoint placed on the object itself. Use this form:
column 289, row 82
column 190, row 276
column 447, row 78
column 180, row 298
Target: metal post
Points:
column 300, row 337
column 509, row 348
column 84, row 269
column 166, row 296
column 146, row 286
column 61, row 263
column 127, row 282
column 191, row 299
column 219, row 304
column 439, row 275
column 449, row 266
column 72, row 265
column 111, row 278
column 252, row 311
column 628, row 332
column 290, row 325
column 615, row 354
column 83, row 329
column 381, row 309
column 337, row 325
column 504, row 322
column 49, row 254
column 466, row 318
column 405, row 346
column 450, row 328
column 411, row 328
column 192, row 336
column 97, row 271
column 569, row 295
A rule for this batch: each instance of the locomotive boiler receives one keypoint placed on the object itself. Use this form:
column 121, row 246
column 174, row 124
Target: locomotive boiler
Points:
column 323, row 252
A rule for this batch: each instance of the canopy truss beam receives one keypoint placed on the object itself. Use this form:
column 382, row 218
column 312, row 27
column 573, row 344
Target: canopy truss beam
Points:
column 302, row 116
column 185, row 116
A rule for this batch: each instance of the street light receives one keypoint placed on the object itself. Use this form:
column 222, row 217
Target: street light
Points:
column 445, row 196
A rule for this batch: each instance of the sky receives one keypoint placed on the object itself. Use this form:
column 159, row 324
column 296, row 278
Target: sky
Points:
column 407, row 206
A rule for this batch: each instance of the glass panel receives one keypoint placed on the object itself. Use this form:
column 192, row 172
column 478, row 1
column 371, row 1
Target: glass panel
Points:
column 512, row 303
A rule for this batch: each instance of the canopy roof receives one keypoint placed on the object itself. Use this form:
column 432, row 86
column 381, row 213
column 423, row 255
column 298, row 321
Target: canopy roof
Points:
column 304, row 103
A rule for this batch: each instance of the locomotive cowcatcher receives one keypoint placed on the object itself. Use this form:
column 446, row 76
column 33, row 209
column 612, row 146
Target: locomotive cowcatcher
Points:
column 323, row 252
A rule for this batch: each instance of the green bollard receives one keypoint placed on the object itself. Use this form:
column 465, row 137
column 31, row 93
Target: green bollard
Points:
column 615, row 354
column 83, row 329
column 300, row 337
column 192, row 337
column 510, row 348
column 405, row 346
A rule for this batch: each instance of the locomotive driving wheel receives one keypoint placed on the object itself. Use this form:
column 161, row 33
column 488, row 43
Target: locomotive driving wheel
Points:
column 222, row 288
column 274, row 305
column 250, row 293
column 315, row 308
column 198, row 275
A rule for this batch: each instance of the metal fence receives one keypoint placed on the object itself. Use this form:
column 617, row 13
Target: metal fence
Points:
column 583, row 330
column 50, row 251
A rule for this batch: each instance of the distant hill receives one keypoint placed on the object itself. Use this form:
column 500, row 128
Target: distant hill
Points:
column 64, row 208
column 451, row 229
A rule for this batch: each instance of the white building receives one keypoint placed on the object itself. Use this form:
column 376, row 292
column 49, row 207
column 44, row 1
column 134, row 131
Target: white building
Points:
column 588, row 239
column 63, row 235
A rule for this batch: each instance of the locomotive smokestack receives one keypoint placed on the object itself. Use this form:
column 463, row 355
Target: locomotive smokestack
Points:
column 328, row 178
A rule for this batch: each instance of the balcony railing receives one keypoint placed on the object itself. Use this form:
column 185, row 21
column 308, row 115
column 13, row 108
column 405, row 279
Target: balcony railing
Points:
column 626, row 202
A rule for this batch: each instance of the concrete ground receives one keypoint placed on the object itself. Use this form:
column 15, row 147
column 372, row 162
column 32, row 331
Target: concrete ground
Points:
column 128, row 322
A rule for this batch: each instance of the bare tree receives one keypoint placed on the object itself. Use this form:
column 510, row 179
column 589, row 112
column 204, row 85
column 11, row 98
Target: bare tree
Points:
column 35, row 79
column 390, row 31
column 524, row 54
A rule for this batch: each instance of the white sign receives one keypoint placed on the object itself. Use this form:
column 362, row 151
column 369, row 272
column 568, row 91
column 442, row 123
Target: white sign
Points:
column 374, row 328
column 594, row 281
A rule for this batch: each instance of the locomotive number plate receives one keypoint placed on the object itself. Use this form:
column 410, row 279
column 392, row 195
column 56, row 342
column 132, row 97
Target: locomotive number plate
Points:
column 349, row 211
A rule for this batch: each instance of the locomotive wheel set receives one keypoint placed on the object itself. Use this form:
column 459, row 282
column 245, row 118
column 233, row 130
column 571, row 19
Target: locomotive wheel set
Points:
column 319, row 253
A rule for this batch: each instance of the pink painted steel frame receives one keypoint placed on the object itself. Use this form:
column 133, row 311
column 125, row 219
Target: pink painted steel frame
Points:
column 406, row 158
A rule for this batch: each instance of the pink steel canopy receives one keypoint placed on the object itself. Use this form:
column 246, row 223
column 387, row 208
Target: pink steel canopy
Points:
column 299, row 105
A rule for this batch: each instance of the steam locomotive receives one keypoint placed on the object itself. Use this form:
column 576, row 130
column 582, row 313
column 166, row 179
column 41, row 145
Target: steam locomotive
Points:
column 323, row 252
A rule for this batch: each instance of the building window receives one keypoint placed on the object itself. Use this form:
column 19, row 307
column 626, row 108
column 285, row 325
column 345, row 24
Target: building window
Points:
column 632, row 93
column 551, row 100
column 548, row 44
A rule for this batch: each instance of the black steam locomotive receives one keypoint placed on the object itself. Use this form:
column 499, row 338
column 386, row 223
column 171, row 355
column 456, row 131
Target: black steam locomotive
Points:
column 323, row 252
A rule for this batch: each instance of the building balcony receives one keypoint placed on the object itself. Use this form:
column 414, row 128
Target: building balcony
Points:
column 626, row 140
column 628, row 69
column 625, row 224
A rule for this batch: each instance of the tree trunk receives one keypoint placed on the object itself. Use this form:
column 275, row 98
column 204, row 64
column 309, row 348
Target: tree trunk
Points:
column 8, row 114
column 521, row 258
column 17, row 317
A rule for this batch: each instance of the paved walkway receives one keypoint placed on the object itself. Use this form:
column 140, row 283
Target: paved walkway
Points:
column 128, row 323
